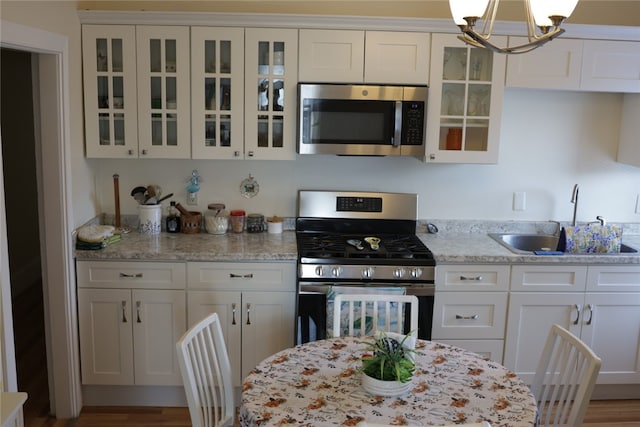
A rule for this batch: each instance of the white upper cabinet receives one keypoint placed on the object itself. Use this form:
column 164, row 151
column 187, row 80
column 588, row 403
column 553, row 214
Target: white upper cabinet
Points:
column 109, row 74
column 217, row 93
column 587, row 65
column 611, row 66
column 271, row 78
column 346, row 56
column 556, row 65
column 393, row 57
column 331, row 56
column 465, row 102
column 164, row 105
column 628, row 147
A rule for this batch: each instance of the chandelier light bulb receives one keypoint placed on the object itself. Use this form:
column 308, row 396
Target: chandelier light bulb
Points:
column 461, row 9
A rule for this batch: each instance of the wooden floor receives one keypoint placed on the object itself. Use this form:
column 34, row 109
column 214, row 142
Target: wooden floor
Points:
column 601, row 413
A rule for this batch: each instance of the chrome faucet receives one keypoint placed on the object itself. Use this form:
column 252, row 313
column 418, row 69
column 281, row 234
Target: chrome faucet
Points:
column 574, row 200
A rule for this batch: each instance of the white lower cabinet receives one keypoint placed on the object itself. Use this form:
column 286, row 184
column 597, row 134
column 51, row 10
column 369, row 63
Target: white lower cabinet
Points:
column 607, row 321
column 256, row 305
column 470, row 307
column 129, row 321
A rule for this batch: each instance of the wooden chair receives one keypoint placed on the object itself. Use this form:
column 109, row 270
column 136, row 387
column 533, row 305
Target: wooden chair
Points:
column 366, row 309
column 564, row 379
column 206, row 374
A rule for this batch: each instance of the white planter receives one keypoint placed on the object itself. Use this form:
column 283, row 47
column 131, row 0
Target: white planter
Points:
column 384, row 388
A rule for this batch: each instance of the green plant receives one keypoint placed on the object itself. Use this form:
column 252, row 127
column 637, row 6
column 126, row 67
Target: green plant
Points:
column 389, row 360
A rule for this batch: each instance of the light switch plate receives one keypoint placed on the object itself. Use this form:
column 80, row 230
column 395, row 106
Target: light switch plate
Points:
column 519, row 201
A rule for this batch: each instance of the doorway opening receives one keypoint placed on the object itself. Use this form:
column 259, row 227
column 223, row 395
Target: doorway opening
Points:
column 20, row 172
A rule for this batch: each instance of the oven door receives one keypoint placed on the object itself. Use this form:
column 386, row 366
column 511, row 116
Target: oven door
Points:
column 311, row 310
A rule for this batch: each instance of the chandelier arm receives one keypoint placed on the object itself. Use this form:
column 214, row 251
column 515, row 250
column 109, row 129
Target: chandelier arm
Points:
column 489, row 18
column 472, row 38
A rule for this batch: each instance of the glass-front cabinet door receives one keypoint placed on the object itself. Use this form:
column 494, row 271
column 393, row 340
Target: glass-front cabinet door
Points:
column 217, row 83
column 163, row 92
column 465, row 102
column 271, row 76
column 109, row 70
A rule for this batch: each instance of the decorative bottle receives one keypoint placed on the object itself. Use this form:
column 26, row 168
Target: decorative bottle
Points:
column 173, row 219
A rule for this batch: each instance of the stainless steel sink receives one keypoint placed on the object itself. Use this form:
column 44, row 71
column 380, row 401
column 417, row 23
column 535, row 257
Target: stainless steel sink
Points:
column 528, row 243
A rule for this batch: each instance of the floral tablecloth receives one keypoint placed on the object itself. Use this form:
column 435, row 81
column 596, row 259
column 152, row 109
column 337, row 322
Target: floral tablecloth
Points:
column 318, row 384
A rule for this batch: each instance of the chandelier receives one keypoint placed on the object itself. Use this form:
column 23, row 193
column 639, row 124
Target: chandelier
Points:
column 543, row 19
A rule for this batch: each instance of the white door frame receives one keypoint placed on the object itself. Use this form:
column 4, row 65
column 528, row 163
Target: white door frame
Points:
column 56, row 221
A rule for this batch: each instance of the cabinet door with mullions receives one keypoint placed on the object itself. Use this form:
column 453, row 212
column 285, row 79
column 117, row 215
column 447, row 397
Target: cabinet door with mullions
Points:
column 271, row 76
column 217, row 92
column 109, row 70
column 163, row 92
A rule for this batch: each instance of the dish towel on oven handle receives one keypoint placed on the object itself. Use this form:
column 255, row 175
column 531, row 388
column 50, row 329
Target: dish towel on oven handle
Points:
column 369, row 327
column 590, row 238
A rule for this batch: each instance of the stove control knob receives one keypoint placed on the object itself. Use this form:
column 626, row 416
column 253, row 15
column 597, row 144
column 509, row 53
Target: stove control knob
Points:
column 398, row 273
column 416, row 273
column 367, row 272
column 336, row 271
column 319, row 271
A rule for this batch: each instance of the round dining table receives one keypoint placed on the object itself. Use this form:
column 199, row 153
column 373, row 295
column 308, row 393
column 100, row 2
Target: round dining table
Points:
column 319, row 384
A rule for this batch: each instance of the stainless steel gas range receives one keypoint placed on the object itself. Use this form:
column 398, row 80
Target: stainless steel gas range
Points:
column 350, row 240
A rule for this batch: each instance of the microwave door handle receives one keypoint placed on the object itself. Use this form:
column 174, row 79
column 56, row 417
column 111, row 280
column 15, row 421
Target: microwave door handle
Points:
column 397, row 135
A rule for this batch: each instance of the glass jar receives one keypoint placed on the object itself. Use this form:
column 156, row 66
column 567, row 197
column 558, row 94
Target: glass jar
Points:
column 173, row 219
column 255, row 223
column 237, row 218
column 216, row 219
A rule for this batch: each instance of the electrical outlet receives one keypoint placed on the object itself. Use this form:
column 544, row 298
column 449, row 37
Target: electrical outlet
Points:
column 519, row 201
column 192, row 198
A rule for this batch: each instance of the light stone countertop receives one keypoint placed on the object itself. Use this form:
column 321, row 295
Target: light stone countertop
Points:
column 198, row 247
column 456, row 242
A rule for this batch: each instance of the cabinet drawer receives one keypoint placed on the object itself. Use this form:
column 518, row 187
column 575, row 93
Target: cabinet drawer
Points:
column 469, row 315
column 548, row 278
column 617, row 279
column 472, row 277
column 124, row 274
column 241, row 276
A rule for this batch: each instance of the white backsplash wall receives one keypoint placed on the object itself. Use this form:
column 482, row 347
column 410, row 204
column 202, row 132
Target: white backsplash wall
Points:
column 550, row 140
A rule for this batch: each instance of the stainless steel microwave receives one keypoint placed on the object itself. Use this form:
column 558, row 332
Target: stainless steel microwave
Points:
column 362, row 120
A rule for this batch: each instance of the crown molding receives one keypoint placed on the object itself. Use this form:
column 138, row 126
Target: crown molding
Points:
column 336, row 22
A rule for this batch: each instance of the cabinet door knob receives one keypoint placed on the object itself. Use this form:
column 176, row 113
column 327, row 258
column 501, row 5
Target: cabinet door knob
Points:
column 124, row 313
column 591, row 310
column 144, row 152
column 248, row 313
column 577, row 308
column 130, row 152
column 233, row 313
column 138, row 304
column 250, row 154
column 236, row 154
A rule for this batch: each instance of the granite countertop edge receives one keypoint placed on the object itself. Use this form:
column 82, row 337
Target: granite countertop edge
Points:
column 466, row 244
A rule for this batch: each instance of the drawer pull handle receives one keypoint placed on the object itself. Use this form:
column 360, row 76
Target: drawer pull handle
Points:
column 472, row 317
column 124, row 313
column 233, row 313
column 577, row 308
column 474, row 279
column 248, row 314
column 241, row 276
column 138, row 304
column 136, row 275
column 590, row 307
